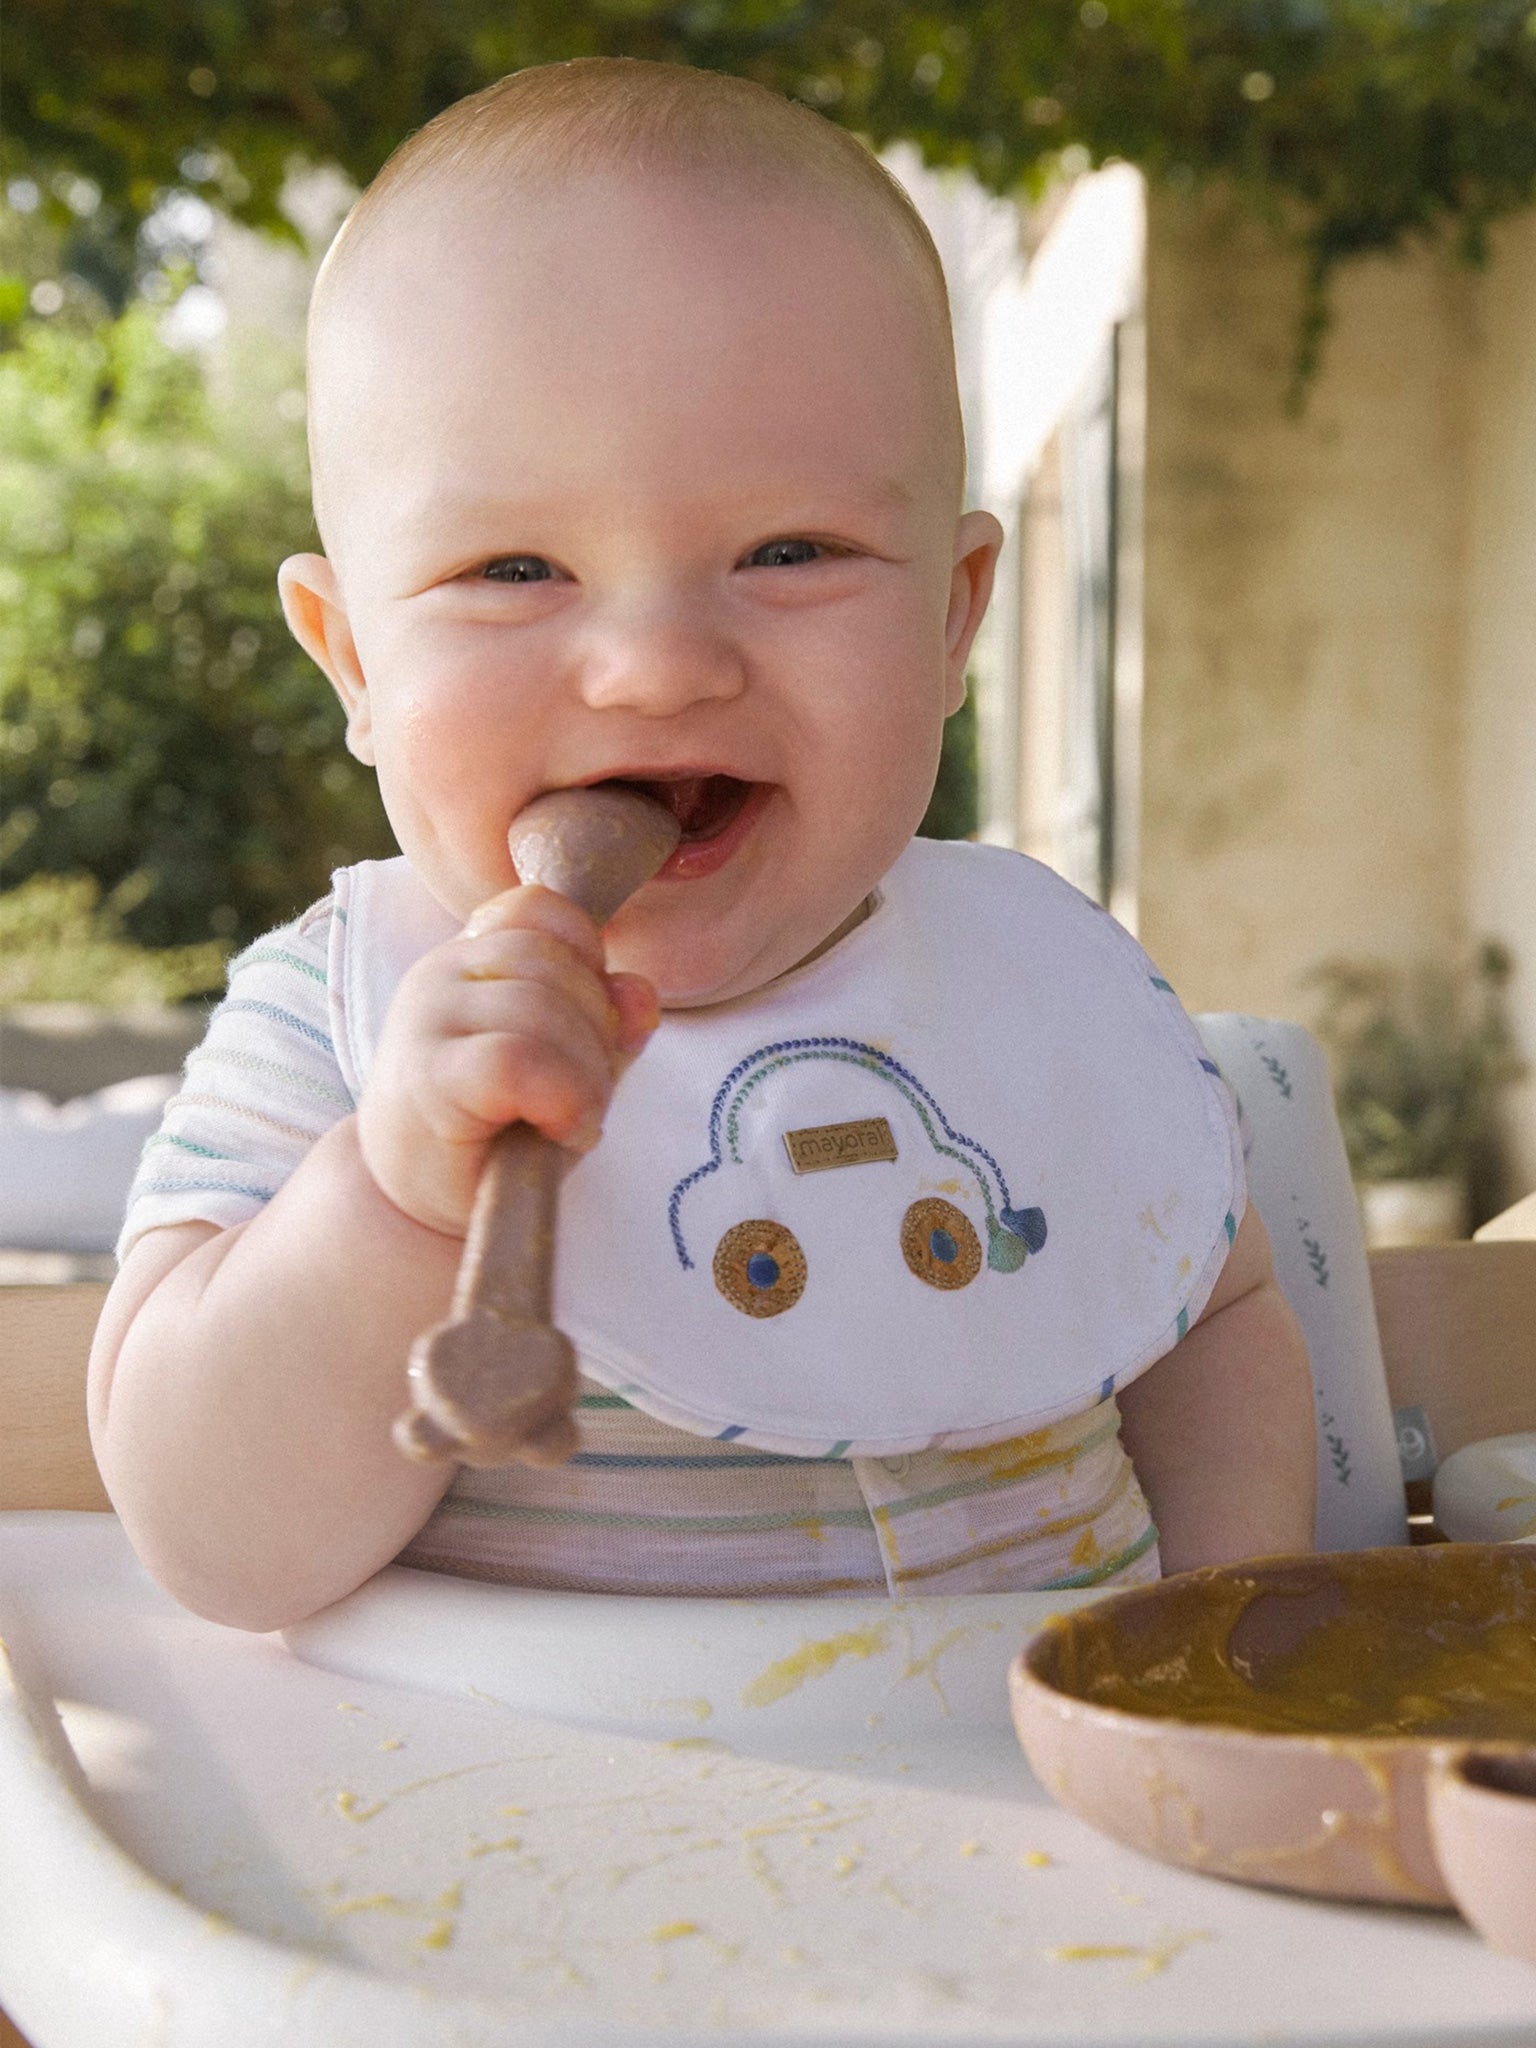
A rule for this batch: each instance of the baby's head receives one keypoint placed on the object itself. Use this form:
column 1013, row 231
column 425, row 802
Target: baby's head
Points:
column 637, row 455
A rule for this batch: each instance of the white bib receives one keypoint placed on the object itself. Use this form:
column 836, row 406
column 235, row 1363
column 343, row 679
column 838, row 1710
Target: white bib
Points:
column 958, row 1178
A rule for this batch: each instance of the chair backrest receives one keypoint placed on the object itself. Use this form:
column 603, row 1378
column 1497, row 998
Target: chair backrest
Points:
column 1299, row 1181
column 45, row 1340
column 1458, row 1329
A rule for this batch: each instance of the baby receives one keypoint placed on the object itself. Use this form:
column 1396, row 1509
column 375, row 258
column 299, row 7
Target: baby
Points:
column 637, row 456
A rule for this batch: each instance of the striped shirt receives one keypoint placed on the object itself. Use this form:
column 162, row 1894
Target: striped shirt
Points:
column 642, row 1507
column 262, row 1086
column 647, row 1508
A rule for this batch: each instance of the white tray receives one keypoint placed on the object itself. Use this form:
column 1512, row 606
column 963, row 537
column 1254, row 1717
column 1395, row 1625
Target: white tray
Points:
column 236, row 1849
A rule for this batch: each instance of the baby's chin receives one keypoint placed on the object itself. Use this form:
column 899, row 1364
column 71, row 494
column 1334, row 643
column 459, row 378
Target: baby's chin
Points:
column 690, row 976
column 693, row 965
column 693, row 970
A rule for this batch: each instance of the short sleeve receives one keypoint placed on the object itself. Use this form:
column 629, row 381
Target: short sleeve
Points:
column 262, row 1086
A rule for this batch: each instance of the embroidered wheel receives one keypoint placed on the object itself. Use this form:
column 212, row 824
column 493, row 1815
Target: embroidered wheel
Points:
column 760, row 1268
column 940, row 1244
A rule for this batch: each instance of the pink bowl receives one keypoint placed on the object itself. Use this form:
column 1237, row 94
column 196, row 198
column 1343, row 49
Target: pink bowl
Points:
column 1482, row 1821
column 1106, row 1703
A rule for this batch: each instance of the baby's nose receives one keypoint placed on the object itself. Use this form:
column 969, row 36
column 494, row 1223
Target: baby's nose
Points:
column 659, row 662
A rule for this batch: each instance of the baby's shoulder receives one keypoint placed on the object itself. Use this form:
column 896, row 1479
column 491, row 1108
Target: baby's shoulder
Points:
column 969, row 889
column 297, row 953
column 978, row 868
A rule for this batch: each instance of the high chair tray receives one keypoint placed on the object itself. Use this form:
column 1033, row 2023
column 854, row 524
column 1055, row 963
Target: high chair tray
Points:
column 755, row 1822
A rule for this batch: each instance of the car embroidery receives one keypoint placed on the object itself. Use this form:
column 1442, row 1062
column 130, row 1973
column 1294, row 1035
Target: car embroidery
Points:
column 760, row 1266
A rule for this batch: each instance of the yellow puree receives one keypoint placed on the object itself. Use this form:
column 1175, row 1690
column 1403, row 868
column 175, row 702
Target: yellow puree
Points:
column 813, row 1660
column 1444, row 1651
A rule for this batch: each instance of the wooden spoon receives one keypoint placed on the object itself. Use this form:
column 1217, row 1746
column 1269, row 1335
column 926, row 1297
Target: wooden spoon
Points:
column 494, row 1384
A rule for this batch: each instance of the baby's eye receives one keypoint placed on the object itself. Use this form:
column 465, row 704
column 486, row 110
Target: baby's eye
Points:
column 518, row 569
column 785, row 554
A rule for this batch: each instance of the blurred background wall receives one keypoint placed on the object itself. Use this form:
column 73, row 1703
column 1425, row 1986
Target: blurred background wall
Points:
column 1340, row 672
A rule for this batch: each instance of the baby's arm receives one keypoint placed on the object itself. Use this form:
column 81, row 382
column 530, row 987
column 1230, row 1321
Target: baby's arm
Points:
column 1222, row 1431
column 244, row 1381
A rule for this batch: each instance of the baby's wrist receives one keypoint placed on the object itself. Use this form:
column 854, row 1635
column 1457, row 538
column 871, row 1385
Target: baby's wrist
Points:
column 442, row 1210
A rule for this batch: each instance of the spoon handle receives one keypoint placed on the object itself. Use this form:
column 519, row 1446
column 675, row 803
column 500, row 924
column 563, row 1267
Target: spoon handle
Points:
column 494, row 1384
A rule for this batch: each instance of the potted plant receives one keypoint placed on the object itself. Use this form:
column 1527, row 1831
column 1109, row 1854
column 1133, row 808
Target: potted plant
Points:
column 1419, row 1058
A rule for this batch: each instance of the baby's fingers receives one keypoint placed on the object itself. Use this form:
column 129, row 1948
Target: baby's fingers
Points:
column 501, row 964
column 636, row 1007
column 488, row 1079
column 532, row 908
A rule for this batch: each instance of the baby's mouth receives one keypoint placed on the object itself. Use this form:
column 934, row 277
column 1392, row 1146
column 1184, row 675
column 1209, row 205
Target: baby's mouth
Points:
column 704, row 806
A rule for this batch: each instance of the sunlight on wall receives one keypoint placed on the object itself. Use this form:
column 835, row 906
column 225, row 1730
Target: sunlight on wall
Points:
column 1341, row 653
column 1500, row 796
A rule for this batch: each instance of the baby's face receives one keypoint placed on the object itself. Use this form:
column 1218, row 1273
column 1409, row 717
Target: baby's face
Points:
column 644, row 483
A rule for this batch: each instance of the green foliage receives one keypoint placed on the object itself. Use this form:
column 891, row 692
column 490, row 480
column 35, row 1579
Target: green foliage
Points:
column 1419, row 1060
column 953, row 808
column 155, row 719
column 61, row 943
column 1358, row 123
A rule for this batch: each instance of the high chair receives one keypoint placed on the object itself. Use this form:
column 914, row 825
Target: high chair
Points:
column 472, row 1814
column 1457, row 1326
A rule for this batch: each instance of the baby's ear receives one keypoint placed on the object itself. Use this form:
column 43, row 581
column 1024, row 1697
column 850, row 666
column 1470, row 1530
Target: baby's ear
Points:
column 978, row 540
column 317, row 619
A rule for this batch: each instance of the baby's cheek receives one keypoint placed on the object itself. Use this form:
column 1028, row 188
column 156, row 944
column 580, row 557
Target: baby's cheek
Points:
column 882, row 761
column 437, row 734
column 449, row 749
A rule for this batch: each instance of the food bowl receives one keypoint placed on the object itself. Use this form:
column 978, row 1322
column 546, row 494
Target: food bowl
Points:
column 1482, row 1821
column 1277, row 1722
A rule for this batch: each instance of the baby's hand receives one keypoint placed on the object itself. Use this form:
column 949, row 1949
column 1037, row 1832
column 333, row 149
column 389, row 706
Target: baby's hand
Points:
column 513, row 1021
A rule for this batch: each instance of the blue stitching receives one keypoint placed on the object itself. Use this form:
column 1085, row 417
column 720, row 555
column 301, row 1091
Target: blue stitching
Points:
column 199, row 1187
column 717, row 1108
column 850, row 1059
column 677, row 1202
column 186, row 1145
column 278, row 1016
